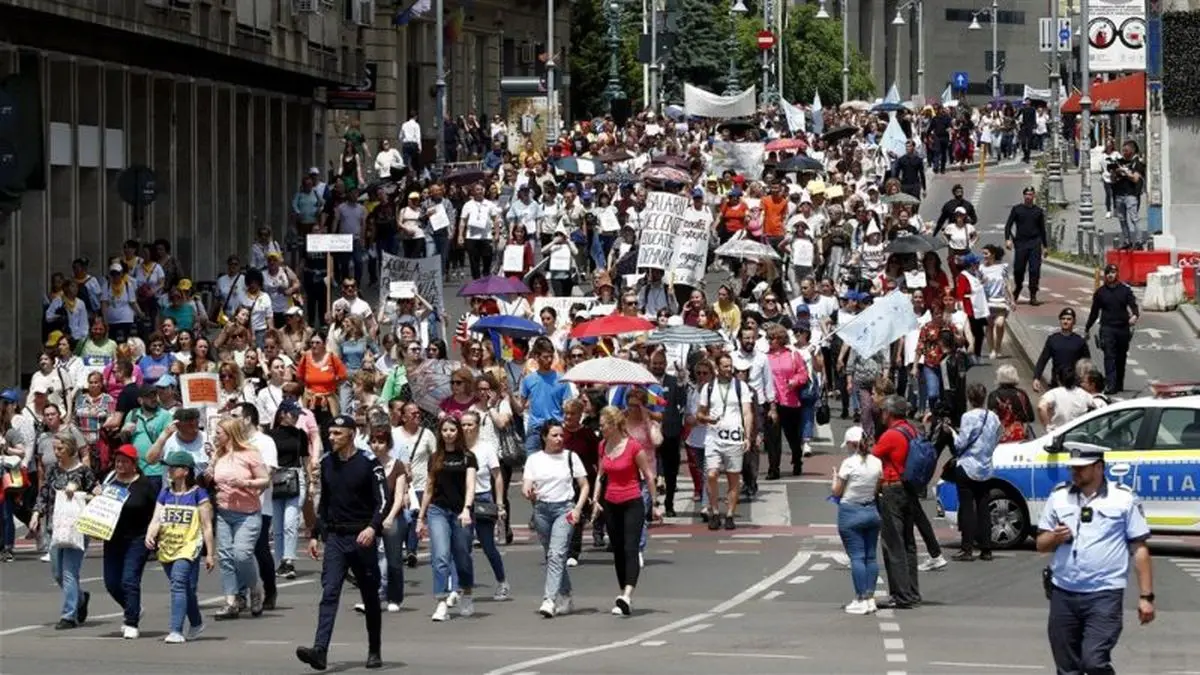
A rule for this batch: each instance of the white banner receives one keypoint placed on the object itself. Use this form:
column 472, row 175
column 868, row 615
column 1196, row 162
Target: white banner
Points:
column 794, row 115
column 661, row 219
column 1037, row 94
column 700, row 103
column 746, row 159
column 690, row 258
column 1116, row 30
column 425, row 272
column 888, row 319
column 893, row 140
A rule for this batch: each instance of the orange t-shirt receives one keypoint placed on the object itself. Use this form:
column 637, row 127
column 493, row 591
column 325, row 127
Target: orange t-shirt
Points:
column 774, row 210
column 735, row 215
column 321, row 379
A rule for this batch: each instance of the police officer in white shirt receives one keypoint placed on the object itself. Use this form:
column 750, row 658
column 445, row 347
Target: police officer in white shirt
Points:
column 1092, row 527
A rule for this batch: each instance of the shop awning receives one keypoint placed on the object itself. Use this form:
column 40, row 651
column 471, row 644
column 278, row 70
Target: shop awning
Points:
column 1122, row 95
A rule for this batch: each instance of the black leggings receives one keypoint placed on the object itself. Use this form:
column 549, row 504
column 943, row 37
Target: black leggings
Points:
column 789, row 426
column 669, row 453
column 978, row 329
column 625, row 521
column 974, row 520
column 479, row 252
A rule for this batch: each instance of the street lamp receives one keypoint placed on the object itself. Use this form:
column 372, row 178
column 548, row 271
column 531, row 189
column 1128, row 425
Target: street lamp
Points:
column 822, row 13
column 919, row 7
column 991, row 13
column 731, row 79
column 612, row 91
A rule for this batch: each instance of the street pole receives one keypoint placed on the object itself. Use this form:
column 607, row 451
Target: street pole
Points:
column 653, row 55
column 921, row 50
column 765, row 97
column 551, row 95
column 780, row 8
column 439, row 106
column 613, row 91
column 845, row 54
column 1086, row 209
column 731, row 80
column 645, row 66
column 1057, row 192
column 995, row 52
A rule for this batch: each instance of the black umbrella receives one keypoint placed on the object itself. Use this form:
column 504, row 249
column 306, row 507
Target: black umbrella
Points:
column 839, row 134
column 736, row 126
column 615, row 178
column 615, row 156
column 800, row 163
column 910, row 243
column 465, row 177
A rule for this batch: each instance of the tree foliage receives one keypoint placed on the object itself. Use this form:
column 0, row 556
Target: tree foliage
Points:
column 588, row 58
column 700, row 55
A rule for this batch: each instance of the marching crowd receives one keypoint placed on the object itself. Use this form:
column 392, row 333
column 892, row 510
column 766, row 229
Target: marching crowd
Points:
column 374, row 425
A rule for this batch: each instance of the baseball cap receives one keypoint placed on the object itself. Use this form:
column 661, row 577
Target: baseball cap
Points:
column 1028, row 190
column 970, row 259
column 314, row 171
column 735, row 192
column 1084, row 454
column 289, row 407
column 343, row 422
column 414, row 195
column 40, row 387
column 697, row 192
column 853, row 435
column 184, row 285
column 1067, row 311
column 294, row 311
column 1110, row 269
column 147, row 390
column 11, row 395
column 116, row 267
column 129, row 451
column 180, row 458
column 53, row 338
column 961, row 209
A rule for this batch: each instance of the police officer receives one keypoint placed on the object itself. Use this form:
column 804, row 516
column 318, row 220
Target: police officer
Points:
column 1092, row 526
column 1026, row 235
column 1115, row 306
column 1062, row 351
column 354, row 502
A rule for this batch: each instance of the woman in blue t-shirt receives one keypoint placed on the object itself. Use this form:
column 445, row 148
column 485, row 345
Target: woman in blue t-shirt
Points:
column 352, row 349
column 157, row 361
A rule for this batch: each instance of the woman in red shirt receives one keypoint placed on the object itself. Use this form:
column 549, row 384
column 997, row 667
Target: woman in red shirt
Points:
column 733, row 215
column 623, row 467
column 320, row 371
column 936, row 281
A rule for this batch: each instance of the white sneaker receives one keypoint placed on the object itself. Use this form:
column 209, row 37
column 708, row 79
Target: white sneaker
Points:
column 360, row 608
column 616, row 611
column 563, row 604
column 130, row 633
column 174, row 639
column 624, row 605
column 871, row 606
column 992, row 356
column 547, row 609
column 1108, row 214
column 807, row 451
column 466, row 606
column 442, row 613
column 572, row 562
column 45, row 557
column 392, row 608
column 858, row 607
column 195, row 631
column 452, row 599
column 933, row 564
column 503, row 592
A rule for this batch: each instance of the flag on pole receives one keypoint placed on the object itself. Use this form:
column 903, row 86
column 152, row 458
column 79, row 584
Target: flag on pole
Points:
column 818, row 114
column 887, row 319
column 947, row 95
column 414, row 10
column 794, row 115
column 893, row 95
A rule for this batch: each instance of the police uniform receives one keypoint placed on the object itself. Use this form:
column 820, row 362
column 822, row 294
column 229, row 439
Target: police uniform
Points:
column 1088, row 574
column 354, row 496
column 1113, row 305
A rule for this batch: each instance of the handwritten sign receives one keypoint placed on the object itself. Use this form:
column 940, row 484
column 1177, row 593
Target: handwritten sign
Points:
column 662, row 218
column 330, row 243
column 425, row 272
column 689, row 259
column 514, row 258
column 200, row 389
column 560, row 259
column 99, row 518
column 562, row 307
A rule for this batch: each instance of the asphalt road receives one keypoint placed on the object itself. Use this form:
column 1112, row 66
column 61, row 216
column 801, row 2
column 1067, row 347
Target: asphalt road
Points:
column 764, row 599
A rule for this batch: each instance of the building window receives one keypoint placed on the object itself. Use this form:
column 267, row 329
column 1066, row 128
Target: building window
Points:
column 1011, row 17
column 256, row 15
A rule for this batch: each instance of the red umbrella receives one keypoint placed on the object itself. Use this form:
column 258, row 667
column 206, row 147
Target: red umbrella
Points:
column 787, row 144
column 614, row 324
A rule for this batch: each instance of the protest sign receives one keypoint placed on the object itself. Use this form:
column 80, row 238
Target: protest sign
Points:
column 746, row 159
column 199, row 389
column 662, row 218
column 887, row 319
column 100, row 516
column 689, row 258
column 562, row 307
column 425, row 272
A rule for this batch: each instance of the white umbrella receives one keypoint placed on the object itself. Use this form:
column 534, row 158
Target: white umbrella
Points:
column 747, row 249
column 860, row 106
column 610, row 371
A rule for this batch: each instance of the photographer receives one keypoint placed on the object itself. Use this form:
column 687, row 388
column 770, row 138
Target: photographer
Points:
column 1126, row 177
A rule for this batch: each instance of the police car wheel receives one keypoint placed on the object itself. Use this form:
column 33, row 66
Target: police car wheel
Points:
column 1009, row 517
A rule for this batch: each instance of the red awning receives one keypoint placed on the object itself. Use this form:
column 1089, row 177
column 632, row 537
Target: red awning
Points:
column 1122, row 95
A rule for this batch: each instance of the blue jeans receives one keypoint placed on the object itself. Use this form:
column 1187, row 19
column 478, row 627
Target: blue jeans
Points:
column 554, row 532
column 449, row 545
column 412, row 540
column 931, row 385
column 237, row 534
column 391, row 563
column 286, row 514
column 65, row 564
column 533, row 440
column 124, row 561
column 485, row 531
column 858, row 525
column 808, row 419
column 184, row 577
column 9, row 526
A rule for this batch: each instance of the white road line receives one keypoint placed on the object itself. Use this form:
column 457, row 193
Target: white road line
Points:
column 664, row 551
column 752, row 536
column 897, row 672
column 800, row 580
column 267, row 642
column 674, row 535
column 515, row 648
column 772, row 595
column 797, row 563
column 744, row 655
column 1140, row 372
column 897, row 658
column 893, row 644
column 889, row 627
column 771, row 508
column 1131, row 362
column 824, row 525
column 1058, row 296
column 752, row 542
column 985, row 666
column 734, row 615
column 697, row 628
column 886, row 613
column 726, row 552
column 203, row 603
column 654, row 643
column 819, row 567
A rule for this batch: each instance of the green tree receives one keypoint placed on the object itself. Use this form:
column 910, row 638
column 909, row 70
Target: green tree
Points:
column 588, row 58
column 699, row 56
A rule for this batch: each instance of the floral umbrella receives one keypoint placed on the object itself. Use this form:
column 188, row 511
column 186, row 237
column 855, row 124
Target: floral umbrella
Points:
column 666, row 174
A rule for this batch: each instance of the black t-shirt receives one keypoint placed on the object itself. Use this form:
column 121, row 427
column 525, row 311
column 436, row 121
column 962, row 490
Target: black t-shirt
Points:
column 137, row 512
column 127, row 400
column 450, row 490
column 291, row 444
column 1124, row 186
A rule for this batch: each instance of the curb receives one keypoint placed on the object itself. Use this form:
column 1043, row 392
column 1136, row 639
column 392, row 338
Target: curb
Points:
column 1073, row 268
column 1021, row 341
column 1191, row 316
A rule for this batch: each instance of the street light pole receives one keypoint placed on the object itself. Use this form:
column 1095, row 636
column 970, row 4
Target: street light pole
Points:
column 732, row 88
column 1057, row 192
column 1087, row 221
column 612, row 91
column 995, row 52
column 921, row 50
column 439, row 87
column 551, row 94
column 654, row 56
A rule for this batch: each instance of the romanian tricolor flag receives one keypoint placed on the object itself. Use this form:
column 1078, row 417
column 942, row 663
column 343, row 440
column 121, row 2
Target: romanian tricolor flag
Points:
column 653, row 398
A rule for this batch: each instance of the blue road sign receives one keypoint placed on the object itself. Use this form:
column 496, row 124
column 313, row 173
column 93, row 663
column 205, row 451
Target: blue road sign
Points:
column 1064, row 35
column 960, row 80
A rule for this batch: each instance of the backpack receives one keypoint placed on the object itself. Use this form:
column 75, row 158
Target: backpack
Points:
column 921, row 461
column 737, row 388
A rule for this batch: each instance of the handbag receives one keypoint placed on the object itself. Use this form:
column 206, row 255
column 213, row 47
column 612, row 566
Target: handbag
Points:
column 63, row 533
column 822, row 414
column 15, row 478
column 285, row 483
column 486, row 510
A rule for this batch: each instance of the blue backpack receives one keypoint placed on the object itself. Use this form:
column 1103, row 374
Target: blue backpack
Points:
column 921, row 462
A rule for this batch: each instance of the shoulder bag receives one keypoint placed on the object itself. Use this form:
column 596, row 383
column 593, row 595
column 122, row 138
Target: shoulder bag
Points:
column 285, row 483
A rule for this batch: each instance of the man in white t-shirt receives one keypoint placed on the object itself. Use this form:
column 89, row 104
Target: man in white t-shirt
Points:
column 726, row 407
column 480, row 231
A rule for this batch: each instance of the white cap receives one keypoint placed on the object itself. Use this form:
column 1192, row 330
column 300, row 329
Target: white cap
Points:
column 116, row 267
column 314, row 171
column 294, row 311
column 873, row 229
column 675, row 320
column 961, row 210
column 853, row 435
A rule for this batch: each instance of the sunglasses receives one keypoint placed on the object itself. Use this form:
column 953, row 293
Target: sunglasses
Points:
column 458, row 381
column 577, row 355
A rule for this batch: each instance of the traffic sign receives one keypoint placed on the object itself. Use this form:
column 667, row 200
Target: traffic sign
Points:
column 960, row 80
column 1064, row 35
column 766, row 39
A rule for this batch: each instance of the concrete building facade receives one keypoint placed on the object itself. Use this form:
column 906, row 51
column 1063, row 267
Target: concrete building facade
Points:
column 216, row 96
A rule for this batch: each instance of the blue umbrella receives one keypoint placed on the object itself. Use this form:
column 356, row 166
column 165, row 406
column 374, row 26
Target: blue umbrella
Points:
column 887, row 107
column 504, row 324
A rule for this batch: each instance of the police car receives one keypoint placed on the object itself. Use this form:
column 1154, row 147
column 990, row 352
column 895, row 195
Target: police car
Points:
column 1154, row 449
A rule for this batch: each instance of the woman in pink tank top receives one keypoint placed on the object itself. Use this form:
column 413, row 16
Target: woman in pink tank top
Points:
column 623, row 467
